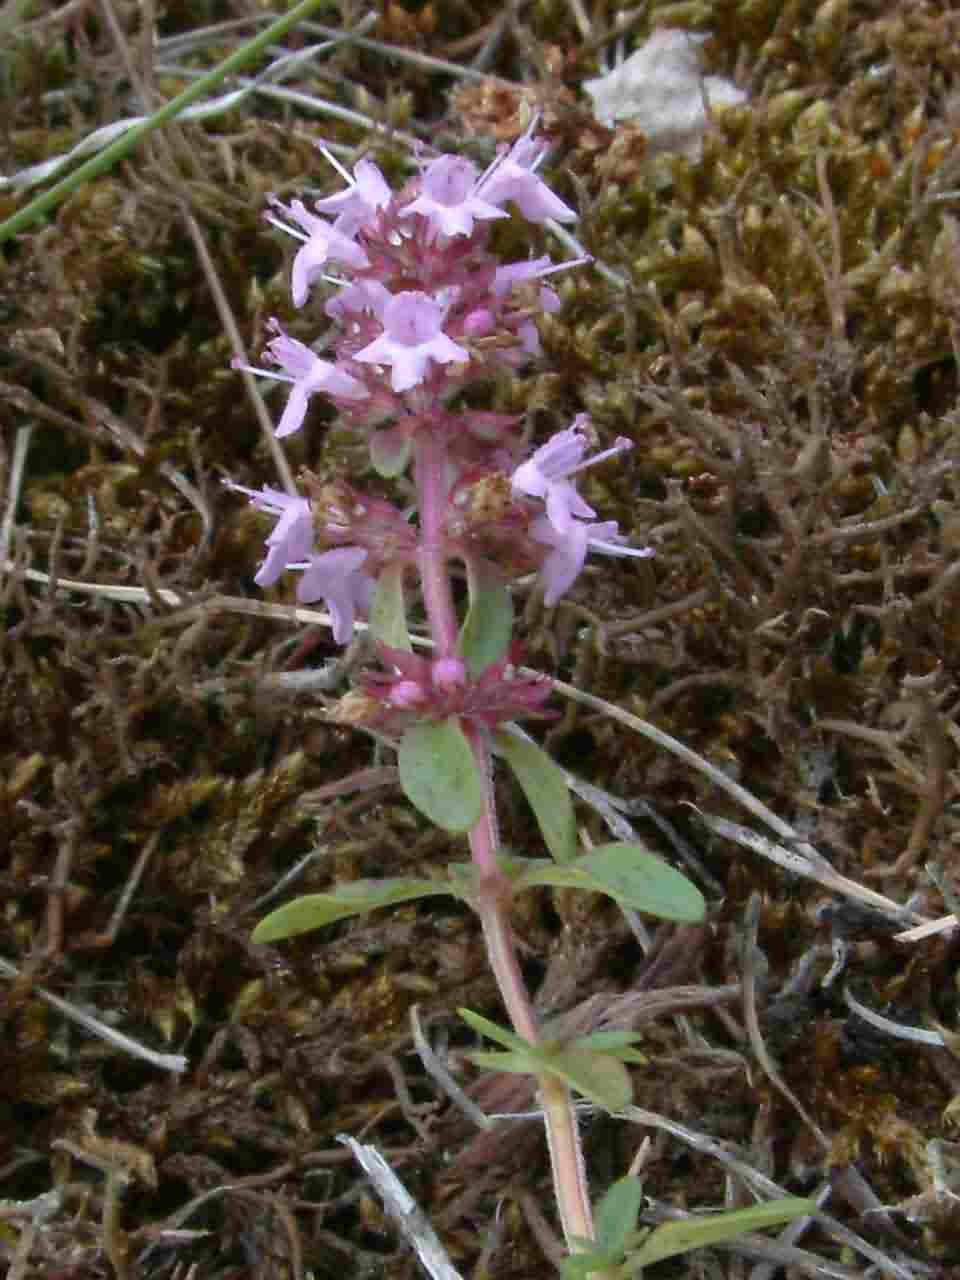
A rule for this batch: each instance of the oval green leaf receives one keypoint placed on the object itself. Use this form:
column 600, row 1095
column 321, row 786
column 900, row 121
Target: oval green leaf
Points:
column 389, row 452
column 628, row 874
column 439, row 775
column 488, row 627
column 608, row 1041
column 546, row 789
column 602, row 1079
column 388, row 612
column 314, row 910
column 616, row 1214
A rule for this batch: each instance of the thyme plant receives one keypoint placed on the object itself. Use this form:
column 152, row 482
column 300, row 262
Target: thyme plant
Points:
column 425, row 312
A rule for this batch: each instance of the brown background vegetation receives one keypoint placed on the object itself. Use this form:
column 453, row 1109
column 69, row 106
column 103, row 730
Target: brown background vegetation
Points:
column 781, row 345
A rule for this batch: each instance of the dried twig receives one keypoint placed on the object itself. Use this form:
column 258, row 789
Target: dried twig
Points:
column 174, row 1062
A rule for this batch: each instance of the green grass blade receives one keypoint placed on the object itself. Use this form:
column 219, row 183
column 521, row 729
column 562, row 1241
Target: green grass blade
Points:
column 105, row 159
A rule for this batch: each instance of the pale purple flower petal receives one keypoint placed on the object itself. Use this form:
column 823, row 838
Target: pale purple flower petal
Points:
column 308, row 374
column 354, row 299
column 322, row 247
column 412, row 337
column 534, row 269
column 292, row 536
column 337, row 578
column 512, row 176
column 367, row 193
column 448, row 198
column 545, row 476
column 562, row 566
column 322, row 243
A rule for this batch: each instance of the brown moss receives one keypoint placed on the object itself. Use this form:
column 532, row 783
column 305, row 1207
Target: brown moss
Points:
column 783, row 353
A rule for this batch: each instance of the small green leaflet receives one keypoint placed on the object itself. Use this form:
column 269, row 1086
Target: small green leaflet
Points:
column 618, row 1239
column 488, row 627
column 546, row 790
column 388, row 614
column 389, row 452
column 671, row 1238
column 439, row 775
column 500, row 1035
column 630, row 875
column 602, row 1079
column 598, row 1076
column 616, row 1214
column 356, row 899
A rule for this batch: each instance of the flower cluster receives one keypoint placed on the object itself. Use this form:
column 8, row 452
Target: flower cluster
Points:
column 423, row 309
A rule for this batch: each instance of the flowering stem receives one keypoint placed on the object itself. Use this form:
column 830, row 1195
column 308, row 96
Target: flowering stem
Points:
column 421, row 283
column 563, row 1138
column 431, row 481
column 493, row 902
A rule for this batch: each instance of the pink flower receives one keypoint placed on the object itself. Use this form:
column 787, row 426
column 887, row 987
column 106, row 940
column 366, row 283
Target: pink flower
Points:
column 534, row 269
column 412, row 337
column 322, row 243
column 337, row 578
column 545, row 475
column 367, row 193
column 354, row 299
column 566, row 526
column 308, row 374
column 448, row 198
column 562, row 566
column 292, row 537
column 512, row 176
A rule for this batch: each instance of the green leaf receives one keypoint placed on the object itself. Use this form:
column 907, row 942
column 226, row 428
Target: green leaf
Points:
column 580, row 1265
column 488, row 627
column 629, row 874
column 546, row 790
column 519, row 1061
column 389, row 452
column 671, row 1238
column 607, row 1041
column 439, row 774
column 616, row 1214
column 645, row 882
column 602, row 1079
column 388, row 613
column 597, row 1076
column 356, row 899
column 500, row 1035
